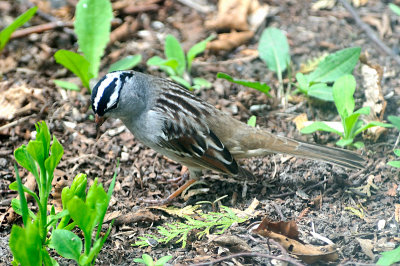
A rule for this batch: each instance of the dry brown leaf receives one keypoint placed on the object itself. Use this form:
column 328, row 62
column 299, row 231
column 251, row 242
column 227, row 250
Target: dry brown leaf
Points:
column 142, row 215
column 397, row 212
column 392, row 191
column 233, row 243
column 227, row 10
column 7, row 64
column 323, row 4
column 180, row 212
column 367, row 247
column 358, row 3
column 229, row 41
column 288, row 229
column 299, row 121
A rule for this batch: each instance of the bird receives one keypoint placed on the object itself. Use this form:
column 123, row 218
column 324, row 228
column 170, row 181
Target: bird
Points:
column 187, row 129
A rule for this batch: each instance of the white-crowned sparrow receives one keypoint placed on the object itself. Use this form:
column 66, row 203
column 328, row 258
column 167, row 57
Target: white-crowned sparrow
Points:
column 171, row 120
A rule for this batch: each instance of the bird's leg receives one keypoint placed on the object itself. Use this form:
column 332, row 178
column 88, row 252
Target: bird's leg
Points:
column 193, row 179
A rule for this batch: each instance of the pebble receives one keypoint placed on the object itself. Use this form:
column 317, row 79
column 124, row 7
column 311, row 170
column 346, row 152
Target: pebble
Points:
column 124, row 156
column 3, row 162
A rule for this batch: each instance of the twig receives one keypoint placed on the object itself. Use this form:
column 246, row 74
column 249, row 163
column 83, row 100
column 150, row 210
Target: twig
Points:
column 250, row 254
column 16, row 122
column 370, row 33
column 41, row 28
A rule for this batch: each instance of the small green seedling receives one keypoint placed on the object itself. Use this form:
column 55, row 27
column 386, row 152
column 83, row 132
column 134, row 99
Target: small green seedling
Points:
column 274, row 50
column 5, row 34
column 343, row 90
column 395, row 163
column 29, row 244
column 389, row 257
column 92, row 27
column 252, row 121
column 330, row 69
column 178, row 65
column 262, row 87
column 208, row 222
column 148, row 260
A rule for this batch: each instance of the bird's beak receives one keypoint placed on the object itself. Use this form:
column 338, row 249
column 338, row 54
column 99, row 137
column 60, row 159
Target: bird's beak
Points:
column 99, row 121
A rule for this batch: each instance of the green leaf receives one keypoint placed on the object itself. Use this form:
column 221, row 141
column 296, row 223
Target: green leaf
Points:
column 84, row 216
column 16, row 205
column 75, row 63
column 92, row 26
column 274, row 49
column 343, row 90
column 163, row 260
column 345, row 142
column 321, row 91
column 303, row 83
column 373, row 124
column 22, row 199
column 262, row 87
column 5, row 34
column 363, row 111
column 336, row 65
column 397, row 152
column 97, row 198
column 349, row 124
column 57, row 152
column 169, row 66
column 252, row 121
column 358, row 144
column 66, row 243
column 78, row 188
column 25, row 244
column 14, row 186
column 26, row 161
column 148, row 260
column 318, row 126
column 173, row 50
column 394, row 164
column 125, row 63
column 395, row 120
column 389, row 257
column 197, row 49
column 66, row 85
column 395, row 9
column 200, row 83
column 181, row 81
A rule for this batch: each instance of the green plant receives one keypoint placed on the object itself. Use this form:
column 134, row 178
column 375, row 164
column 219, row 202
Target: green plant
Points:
column 92, row 27
column 389, row 257
column 274, row 50
column 221, row 221
column 395, row 163
column 252, row 121
column 148, row 260
column 262, row 87
column 343, row 90
column 178, row 65
column 328, row 70
column 29, row 244
column 5, row 34
column 395, row 8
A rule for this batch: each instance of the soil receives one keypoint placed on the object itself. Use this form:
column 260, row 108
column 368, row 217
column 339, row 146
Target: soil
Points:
column 338, row 204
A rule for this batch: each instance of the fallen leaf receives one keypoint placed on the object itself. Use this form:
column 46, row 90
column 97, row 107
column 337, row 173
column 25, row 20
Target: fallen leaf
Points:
column 367, row 247
column 233, row 243
column 392, row 191
column 323, row 4
column 180, row 212
column 229, row 41
column 299, row 121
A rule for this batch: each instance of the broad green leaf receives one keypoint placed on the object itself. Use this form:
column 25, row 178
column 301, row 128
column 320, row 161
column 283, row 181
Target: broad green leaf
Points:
column 75, row 63
column 195, row 50
column 66, row 243
column 14, row 186
column 78, row 188
column 345, row 142
column 343, row 90
column 363, row 111
column 97, row 198
column 47, row 260
column 169, row 66
column 321, row 91
column 125, row 63
column 5, row 34
column 26, row 161
column 395, row 9
column 318, row 126
column 16, row 205
column 373, row 124
column 25, row 244
column 92, row 26
column 162, row 261
column 262, row 87
column 397, row 152
column 148, row 260
column 274, row 49
column 66, row 85
column 252, row 121
column 358, row 144
column 35, row 149
column 395, row 120
column 394, row 164
column 349, row 125
column 200, row 83
column 57, row 152
column 173, row 50
column 181, row 81
column 43, row 136
column 303, row 82
column 389, row 257
column 336, row 65
column 22, row 199
column 84, row 216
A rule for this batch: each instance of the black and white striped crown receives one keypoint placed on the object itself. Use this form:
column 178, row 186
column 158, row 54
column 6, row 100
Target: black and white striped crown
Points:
column 105, row 94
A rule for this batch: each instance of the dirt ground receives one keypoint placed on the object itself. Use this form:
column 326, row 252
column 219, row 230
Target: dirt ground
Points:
column 342, row 205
